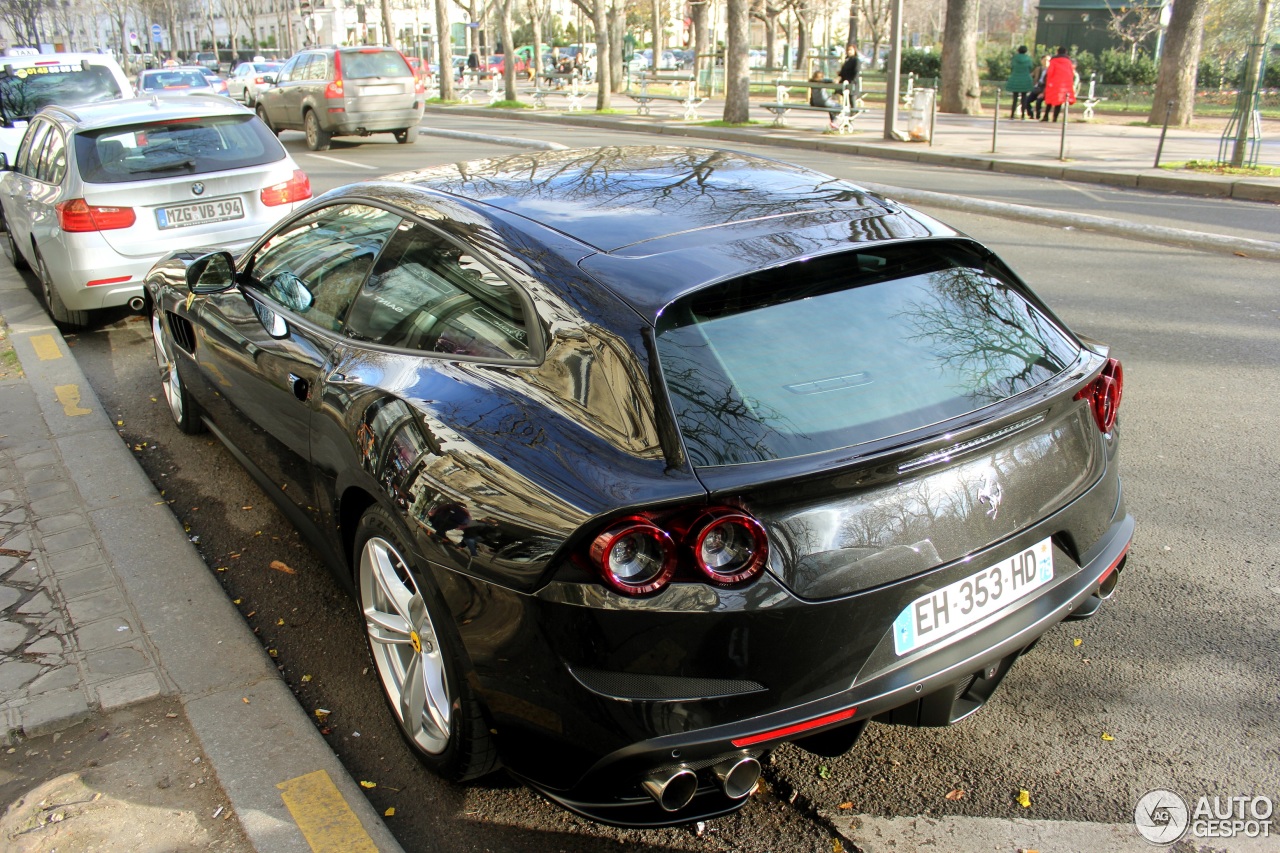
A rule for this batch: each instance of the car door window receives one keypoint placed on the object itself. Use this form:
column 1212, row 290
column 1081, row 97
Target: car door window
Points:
column 328, row 253
column 286, row 73
column 32, row 146
column 428, row 293
column 53, row 161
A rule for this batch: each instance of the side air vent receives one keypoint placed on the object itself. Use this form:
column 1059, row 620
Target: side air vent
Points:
column 183, row 335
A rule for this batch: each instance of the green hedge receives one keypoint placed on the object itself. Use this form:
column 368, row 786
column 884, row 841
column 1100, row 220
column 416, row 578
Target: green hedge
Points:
column 921, row 63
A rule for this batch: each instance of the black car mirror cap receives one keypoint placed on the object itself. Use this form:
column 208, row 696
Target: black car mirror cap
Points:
column 269, row 78
column 212, row 273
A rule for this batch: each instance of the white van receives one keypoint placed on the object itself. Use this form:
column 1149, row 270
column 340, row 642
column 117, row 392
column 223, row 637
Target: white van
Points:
column 29, row 82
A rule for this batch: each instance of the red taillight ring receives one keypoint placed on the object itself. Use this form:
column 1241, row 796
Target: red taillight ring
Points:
column 1103, row 395
column 717, row 520
column 663, row 559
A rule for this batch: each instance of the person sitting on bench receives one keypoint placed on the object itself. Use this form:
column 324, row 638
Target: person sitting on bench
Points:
column 820, row 98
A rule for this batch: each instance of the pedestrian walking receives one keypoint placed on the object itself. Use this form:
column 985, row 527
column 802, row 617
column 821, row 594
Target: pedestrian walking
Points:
column 1060, row 81
column 819, row 98
column 1020, row 82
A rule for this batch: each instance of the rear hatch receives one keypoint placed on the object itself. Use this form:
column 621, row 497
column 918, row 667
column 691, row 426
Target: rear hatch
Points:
column 190, row 181
column 377, row 80
column 883, row 412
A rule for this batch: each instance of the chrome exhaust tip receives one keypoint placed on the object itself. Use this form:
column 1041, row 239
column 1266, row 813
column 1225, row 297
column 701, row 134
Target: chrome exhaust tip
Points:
column 1108, row 586
column 137, row 303
column 737, row 776
column 672, row 791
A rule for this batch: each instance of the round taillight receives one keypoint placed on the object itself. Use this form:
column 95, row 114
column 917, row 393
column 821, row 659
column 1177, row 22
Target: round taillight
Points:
column 634, row 556
column 729, row 547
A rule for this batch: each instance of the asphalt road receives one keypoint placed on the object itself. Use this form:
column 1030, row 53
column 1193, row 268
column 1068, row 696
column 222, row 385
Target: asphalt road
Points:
column 1179, row 668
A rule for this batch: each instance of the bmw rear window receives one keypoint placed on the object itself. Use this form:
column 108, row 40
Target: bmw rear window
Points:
column 178, row 147
column 837, row 351
column 364, row 64
column 24, row 90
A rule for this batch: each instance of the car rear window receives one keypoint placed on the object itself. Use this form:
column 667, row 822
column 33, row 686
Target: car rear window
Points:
column 185, row 146
column 845, row 349
column 360, row 64
column 173, row 80
column 24, row 90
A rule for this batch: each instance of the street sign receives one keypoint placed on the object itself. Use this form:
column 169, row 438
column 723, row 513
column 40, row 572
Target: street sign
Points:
column 133, row 38
column 156, row 35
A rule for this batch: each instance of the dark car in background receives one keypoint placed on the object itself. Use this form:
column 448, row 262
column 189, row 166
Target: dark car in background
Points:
column 641, row 462
column 354, row 91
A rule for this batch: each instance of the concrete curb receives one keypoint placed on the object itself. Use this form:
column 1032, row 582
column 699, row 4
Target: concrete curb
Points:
column 492, row 140
column 1203, row 241
column 249, row 724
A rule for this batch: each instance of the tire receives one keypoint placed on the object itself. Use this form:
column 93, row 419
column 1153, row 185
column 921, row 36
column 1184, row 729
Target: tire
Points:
column 63, row 316
column 418, row 655
column 408, row 136
column 262, row 117
column 184, row 410
column 12, row 252
column 317, row 139
column 244, row 97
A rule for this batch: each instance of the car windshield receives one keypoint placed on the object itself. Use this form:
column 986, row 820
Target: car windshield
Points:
column 186, row 146
column 845, row 349
column 23, row 91
column 173, row 80
column 357, row 64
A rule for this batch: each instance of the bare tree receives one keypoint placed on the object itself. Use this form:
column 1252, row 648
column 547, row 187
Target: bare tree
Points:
column 960, row 86
column 598, row 11
column 537, row 12
column 22, row 17
column 1176, row 80
column 1133, row 25
column 878, row 14
column 444, row 51
column 737, row 74
column 508, row 49
column 700, row 12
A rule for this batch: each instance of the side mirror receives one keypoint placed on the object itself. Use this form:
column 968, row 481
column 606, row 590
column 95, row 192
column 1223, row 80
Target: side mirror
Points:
column 269, row 78
column 211, row 273
column 4, row 162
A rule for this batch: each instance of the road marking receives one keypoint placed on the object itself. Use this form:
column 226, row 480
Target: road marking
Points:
column 342, row 162
column 69, row 397
column 326, row 821
column 45, row 347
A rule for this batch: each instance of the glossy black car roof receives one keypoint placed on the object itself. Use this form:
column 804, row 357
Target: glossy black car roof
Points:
column 655, row 222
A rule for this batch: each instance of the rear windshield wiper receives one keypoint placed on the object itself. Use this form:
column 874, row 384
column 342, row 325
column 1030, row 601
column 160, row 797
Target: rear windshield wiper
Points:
column 164, row 167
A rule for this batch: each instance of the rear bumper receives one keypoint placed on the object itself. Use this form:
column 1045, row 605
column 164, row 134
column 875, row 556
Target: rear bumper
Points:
column 373, row 121
column 939, row 688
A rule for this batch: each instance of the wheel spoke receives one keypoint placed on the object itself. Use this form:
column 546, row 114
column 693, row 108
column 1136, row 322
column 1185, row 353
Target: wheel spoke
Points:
column 387, row 628
column 412, row 698
column 437, row 705
column 397, row 593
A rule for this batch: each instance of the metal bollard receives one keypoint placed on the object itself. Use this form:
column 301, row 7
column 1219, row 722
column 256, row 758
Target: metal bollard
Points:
column 1168, row 110
column 1066, row 118
column 995, row 123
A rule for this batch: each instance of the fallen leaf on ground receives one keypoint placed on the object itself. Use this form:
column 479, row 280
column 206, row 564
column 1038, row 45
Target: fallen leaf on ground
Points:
column 306, row 678
column 1106, row 736
column 1076, row 642
column 836, row 846
column 364, row 784
column 322, row 712
column 844, row 807
column 824, row 772
column 282, row 567
column 391, row 812
column 955, row 795
column 245, row 699
column 279, row 621
column 1024, row 798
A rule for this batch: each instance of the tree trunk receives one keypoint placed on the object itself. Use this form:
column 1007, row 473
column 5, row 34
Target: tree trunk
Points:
column 802, row 44
column 700, row 12
column 535, row 14
column 600, row 22
column 1253, row 77
column 737, row 75
column 508, row 50
column 657, row 34
column 388, row 36
column 960, row 87
column 770, row 38
column 853, row 22
column 616, row 20
column 1177, row 78
column 444, row 50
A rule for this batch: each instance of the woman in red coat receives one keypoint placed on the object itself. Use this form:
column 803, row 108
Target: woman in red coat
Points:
column 1059, row 84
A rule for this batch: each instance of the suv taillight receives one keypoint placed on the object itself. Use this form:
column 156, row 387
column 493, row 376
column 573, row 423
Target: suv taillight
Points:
column 297, row 188
column 640, row 555
column 334, row 89
column 77, row 215
column 1103, row 395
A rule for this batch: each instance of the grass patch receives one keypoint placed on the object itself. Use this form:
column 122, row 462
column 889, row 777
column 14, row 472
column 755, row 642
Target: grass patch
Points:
column 1212, row 167
column 723, row 123
column 10, row 367
column 510, row 105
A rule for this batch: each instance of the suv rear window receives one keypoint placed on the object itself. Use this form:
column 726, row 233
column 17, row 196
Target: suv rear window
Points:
column 363, row 64
column 186, row 146
column 24, row 90
column 840, row 350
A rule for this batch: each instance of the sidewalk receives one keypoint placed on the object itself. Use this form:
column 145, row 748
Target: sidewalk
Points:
column 1093, row 151
column 105, row 608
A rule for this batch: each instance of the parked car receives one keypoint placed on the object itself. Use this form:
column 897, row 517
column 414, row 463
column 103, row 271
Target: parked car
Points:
column 185, row 80
column 251, row 78
column 217, row 83
column 354, row 91
column 98, row 193
column 628, row 501
column 208, row 59
column 31, row 82
column 497, row 65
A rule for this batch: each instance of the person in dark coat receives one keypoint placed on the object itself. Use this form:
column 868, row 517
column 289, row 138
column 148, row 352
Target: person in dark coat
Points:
column 1059, row 84
column 849, row 70
column 1035, row 98
column 1020, row 82
column 820, row 98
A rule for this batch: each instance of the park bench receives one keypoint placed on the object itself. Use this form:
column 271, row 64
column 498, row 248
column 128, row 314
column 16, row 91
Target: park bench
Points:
column 843, row 119
column 471, row 87
column 689, row 100
column 575, row 94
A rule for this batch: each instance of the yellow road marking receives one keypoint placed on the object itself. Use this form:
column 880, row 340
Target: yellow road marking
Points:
column 46, row 349
column 69, row 397
column 326, row 821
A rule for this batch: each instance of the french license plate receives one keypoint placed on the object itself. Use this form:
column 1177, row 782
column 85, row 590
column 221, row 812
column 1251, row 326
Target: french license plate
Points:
column 943, row 612
column 200, row 212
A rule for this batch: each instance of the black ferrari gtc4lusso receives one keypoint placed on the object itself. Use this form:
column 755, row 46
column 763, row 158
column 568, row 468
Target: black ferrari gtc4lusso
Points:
column 643, row 461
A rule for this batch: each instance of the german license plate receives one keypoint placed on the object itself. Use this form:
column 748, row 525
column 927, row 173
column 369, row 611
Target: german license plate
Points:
column 958, row 605
column 200, row 212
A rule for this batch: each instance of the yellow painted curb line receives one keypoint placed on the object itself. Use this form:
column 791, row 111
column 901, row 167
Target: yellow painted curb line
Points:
column 327, row 822
column 69, row 397
column 46, row 349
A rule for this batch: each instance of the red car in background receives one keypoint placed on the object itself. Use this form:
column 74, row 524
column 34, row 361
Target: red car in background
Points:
column 496, row 65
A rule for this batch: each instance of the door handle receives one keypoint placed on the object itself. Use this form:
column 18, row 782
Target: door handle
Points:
column 301, row 387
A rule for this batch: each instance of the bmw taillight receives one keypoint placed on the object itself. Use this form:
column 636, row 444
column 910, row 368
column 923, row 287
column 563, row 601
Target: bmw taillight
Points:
column 334, row 89
column 77, row 215
column 258, row 81
column 297, row 188
column 1103, row 395
column 640, row 555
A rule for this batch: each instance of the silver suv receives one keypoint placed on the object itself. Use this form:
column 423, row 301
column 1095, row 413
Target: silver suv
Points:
column 349, row 91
